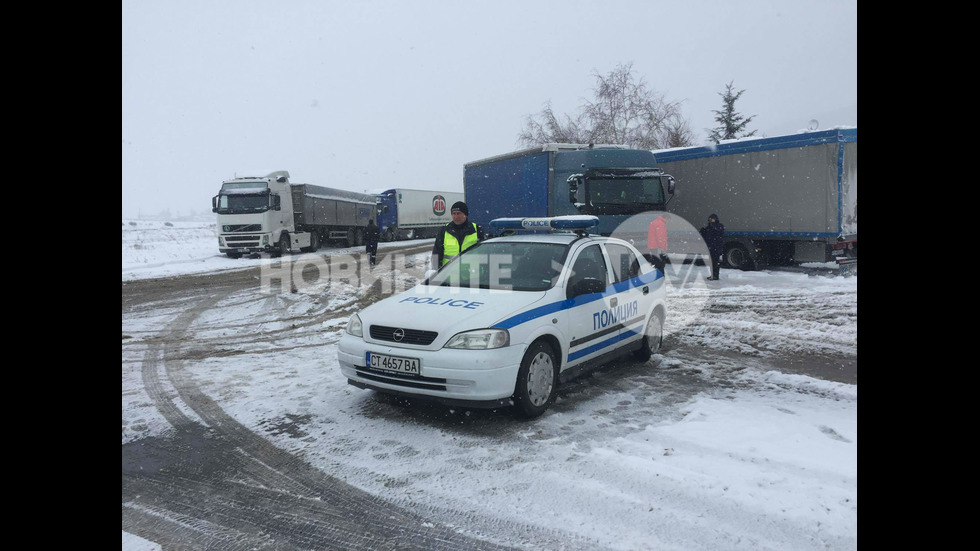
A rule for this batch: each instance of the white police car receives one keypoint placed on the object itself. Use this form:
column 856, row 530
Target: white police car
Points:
column 506, row 321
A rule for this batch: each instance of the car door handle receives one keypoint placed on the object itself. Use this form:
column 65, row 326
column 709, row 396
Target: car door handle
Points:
column 613, row 301
column 646, row 290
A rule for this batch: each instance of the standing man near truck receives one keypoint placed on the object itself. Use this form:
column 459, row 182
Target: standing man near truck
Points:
column 456, row 236
column 714, row 238
column 371, row 237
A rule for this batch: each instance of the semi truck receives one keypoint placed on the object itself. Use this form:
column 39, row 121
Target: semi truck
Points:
column 783, row 200
column 269, row 214
column 414, row 213
column 610, row 182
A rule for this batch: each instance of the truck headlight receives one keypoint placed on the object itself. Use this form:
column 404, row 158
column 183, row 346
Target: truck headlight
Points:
column 481, row 339
column 354, row 326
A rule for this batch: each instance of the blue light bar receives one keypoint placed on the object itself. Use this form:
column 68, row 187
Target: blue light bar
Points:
column 549, row 223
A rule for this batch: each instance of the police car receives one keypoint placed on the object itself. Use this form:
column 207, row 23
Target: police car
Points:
column 509, row 319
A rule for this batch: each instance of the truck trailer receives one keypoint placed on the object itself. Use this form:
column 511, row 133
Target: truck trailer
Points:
column 414, row 213
column 610, row 182
column 783, row 200
column 269, row 214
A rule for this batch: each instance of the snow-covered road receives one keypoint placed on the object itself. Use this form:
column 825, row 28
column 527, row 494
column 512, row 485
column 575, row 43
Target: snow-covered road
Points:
column 711, row 445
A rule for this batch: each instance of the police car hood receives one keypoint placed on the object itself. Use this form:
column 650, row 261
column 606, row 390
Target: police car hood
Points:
column 446, row 310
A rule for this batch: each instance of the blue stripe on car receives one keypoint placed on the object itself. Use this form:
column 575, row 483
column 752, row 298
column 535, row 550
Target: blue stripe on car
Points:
column 572, row 356
column 535, row 313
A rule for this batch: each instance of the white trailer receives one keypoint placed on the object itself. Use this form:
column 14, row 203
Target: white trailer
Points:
column 414, row 213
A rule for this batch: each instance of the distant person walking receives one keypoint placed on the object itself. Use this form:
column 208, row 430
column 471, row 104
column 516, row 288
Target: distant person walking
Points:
column 657, row 242
column 371, row 237
column 714, row 237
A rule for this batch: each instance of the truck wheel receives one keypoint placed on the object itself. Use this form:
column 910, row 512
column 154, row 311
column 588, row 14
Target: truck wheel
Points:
column 234, row 255
column 737, row 256
column 389, row 234
column 653, row 337
column 284, row 244
column 537, row 381
column 359, row 237
column 351, row 237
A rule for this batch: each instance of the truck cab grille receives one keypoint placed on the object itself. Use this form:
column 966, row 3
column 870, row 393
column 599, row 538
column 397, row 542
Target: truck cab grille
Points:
column 242, row 227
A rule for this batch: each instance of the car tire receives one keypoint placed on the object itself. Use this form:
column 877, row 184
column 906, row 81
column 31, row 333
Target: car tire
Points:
column 653, row 338
column 537, row 381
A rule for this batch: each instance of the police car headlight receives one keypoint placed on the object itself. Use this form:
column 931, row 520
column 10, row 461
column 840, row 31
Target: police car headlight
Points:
column 481, row 339
column 354, row 326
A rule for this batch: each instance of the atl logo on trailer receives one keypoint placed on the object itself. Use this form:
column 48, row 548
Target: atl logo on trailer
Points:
column 439, row 205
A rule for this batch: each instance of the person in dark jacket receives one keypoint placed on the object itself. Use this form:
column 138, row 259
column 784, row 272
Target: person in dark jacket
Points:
column 456, row 236
column 714, row 237
column 371, row 237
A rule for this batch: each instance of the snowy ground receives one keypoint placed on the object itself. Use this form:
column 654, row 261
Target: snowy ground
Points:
column 707, row 448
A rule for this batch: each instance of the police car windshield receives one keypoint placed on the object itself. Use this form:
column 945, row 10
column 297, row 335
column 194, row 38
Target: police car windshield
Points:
column 515, row 266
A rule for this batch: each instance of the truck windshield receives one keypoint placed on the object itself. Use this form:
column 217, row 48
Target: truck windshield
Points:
column 512, row 266
column 625, row 195
column 240, row 203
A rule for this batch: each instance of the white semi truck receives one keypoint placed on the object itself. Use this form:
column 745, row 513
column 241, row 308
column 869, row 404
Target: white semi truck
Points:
column 269, row 214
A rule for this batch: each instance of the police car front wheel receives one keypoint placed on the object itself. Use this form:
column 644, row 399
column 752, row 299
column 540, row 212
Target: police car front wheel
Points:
column 537, row 381
column 653, row 337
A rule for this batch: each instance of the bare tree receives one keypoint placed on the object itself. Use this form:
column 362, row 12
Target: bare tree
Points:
column 624, row 111
column 551, row 130
column 679, row 133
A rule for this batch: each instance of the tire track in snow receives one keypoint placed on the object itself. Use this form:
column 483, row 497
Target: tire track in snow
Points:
column 215, row 484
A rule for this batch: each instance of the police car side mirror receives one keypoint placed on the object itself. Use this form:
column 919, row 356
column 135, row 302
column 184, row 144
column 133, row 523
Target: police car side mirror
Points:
column 585, row 286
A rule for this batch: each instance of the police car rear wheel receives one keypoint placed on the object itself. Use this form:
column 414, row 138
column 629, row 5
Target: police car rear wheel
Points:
column 537, row 381
column 653, row 337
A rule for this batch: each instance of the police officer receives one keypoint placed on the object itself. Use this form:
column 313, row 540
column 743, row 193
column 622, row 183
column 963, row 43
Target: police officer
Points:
column 456, row 236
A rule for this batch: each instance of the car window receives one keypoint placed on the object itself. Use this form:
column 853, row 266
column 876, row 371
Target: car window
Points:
column 624, row 263
column 516, row 266
column 589, row 263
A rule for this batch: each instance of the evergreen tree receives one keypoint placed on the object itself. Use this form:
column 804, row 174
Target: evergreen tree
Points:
column 732, row 123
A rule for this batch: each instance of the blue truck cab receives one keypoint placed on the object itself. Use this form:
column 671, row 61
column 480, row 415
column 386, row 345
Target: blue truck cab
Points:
column 609, row 182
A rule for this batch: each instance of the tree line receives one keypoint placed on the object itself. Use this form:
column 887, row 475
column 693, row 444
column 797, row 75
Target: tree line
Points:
column 624, row 110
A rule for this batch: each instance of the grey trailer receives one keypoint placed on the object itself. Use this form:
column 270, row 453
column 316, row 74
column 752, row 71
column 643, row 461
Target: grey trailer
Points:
column 783, row 200
column 334, row 214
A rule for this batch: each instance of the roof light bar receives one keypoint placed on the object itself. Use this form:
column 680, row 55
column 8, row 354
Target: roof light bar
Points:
column 549, row 223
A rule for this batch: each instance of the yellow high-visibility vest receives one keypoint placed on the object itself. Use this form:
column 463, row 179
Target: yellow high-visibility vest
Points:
column 451, row 246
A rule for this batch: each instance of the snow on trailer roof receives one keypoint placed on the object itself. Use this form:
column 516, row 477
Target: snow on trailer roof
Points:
column 544, row 148
column 321, row 192
column 756, row 143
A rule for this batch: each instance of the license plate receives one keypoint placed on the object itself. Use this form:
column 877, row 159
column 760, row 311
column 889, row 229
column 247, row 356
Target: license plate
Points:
column 408, row 366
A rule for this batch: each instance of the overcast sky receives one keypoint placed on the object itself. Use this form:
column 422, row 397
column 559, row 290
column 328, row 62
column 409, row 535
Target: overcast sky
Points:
column 369, row 95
